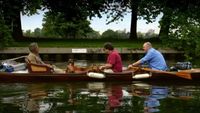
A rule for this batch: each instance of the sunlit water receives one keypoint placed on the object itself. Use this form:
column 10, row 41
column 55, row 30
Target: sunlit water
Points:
column 99, row 97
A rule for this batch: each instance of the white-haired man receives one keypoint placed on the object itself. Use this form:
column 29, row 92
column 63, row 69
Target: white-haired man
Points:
column 34, row 58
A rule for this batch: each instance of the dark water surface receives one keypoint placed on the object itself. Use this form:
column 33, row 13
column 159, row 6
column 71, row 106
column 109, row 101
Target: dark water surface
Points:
column 99, row 97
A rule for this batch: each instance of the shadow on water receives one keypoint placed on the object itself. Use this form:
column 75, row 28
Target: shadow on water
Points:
column 99, row 97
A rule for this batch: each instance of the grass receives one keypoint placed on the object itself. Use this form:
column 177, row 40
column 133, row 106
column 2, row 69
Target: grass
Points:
column 87, row 43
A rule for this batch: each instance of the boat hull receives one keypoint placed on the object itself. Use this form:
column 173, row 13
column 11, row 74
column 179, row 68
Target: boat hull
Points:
column 16, row 77
column 72, row 77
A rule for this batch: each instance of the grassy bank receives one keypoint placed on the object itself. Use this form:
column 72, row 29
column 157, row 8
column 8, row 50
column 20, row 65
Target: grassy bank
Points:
column 88, row 43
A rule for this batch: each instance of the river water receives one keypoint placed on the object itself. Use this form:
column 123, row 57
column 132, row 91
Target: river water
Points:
column 99, row 97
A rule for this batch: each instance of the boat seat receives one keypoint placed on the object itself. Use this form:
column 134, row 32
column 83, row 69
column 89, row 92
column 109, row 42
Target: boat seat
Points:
column 37, row 68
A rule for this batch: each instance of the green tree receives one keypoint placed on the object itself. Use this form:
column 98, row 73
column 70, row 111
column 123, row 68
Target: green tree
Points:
column 93, row 35
column 10, row 12
column 140, row 34
column 110, row 34
column 37, row 32
column 184, row 29
column 27, row 33
column 5, row 35
column 139, row 9
column 150, row 34
column 55, row 25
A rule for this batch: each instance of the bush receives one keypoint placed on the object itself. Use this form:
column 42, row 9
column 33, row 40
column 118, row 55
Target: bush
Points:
column 110, row 34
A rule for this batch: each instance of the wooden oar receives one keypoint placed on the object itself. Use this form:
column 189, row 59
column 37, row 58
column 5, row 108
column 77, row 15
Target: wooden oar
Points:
column 184, row 75
column 179, row 74
column 12, row 59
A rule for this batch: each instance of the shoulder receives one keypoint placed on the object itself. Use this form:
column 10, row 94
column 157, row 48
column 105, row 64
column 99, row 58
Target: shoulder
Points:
column 31, row 55
column 114, row 53
column 152, row 50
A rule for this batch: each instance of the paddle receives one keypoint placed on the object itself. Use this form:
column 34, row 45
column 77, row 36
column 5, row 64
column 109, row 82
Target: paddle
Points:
column 184, row 75
column 179, row 74
column 7, row 60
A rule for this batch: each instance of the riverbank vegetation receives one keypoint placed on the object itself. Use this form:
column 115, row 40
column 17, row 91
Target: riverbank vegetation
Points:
column 137, row 44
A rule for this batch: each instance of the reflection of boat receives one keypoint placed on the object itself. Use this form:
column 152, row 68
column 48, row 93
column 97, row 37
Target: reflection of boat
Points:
column 159, row 92
column 145, row 90
column 185, row 92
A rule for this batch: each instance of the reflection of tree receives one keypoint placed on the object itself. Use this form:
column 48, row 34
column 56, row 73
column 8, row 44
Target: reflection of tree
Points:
column 13, row 92
column 170, row 105
column 90, row 101
column 88, row 104
column 181, row 105
column 59, row 101
column 82, row 103
column 132, row 104
column 11, row 109
column 194, row 104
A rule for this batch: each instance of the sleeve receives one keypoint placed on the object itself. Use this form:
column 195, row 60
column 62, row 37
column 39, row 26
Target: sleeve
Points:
column 147, row 57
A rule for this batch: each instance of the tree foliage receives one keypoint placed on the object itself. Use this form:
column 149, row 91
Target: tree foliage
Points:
column 185, row 28
column 10, row 13
column 5, row 35
column 75, row 9
column 110, row 34
column 55, row 25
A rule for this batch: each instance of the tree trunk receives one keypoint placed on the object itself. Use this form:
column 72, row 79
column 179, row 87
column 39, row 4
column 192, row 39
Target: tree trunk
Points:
column 133, row 29
column 17, row 29
column 165, row 24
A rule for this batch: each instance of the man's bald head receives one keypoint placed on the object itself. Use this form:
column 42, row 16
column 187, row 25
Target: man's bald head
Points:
column 147, row 46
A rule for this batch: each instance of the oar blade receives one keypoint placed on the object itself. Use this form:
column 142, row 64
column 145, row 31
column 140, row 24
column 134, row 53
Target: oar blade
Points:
column 184, row 75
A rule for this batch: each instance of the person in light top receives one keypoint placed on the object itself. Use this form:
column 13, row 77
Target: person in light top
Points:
column 153, row 58
column 34, row 58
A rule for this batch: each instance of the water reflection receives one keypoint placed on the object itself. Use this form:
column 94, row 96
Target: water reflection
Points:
column 99, row 97
column 152, row 102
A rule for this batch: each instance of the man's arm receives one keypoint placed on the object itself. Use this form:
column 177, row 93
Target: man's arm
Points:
column 135, row 64
column 37, row 60
column 106, row 66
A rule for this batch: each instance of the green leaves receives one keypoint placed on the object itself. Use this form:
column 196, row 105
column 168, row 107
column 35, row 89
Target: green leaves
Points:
column 5, row 34
column 55, row 25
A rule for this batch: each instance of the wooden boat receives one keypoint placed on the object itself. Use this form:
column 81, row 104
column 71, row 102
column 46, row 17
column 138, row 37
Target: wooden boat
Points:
column 41, row 73
column 82, row 76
